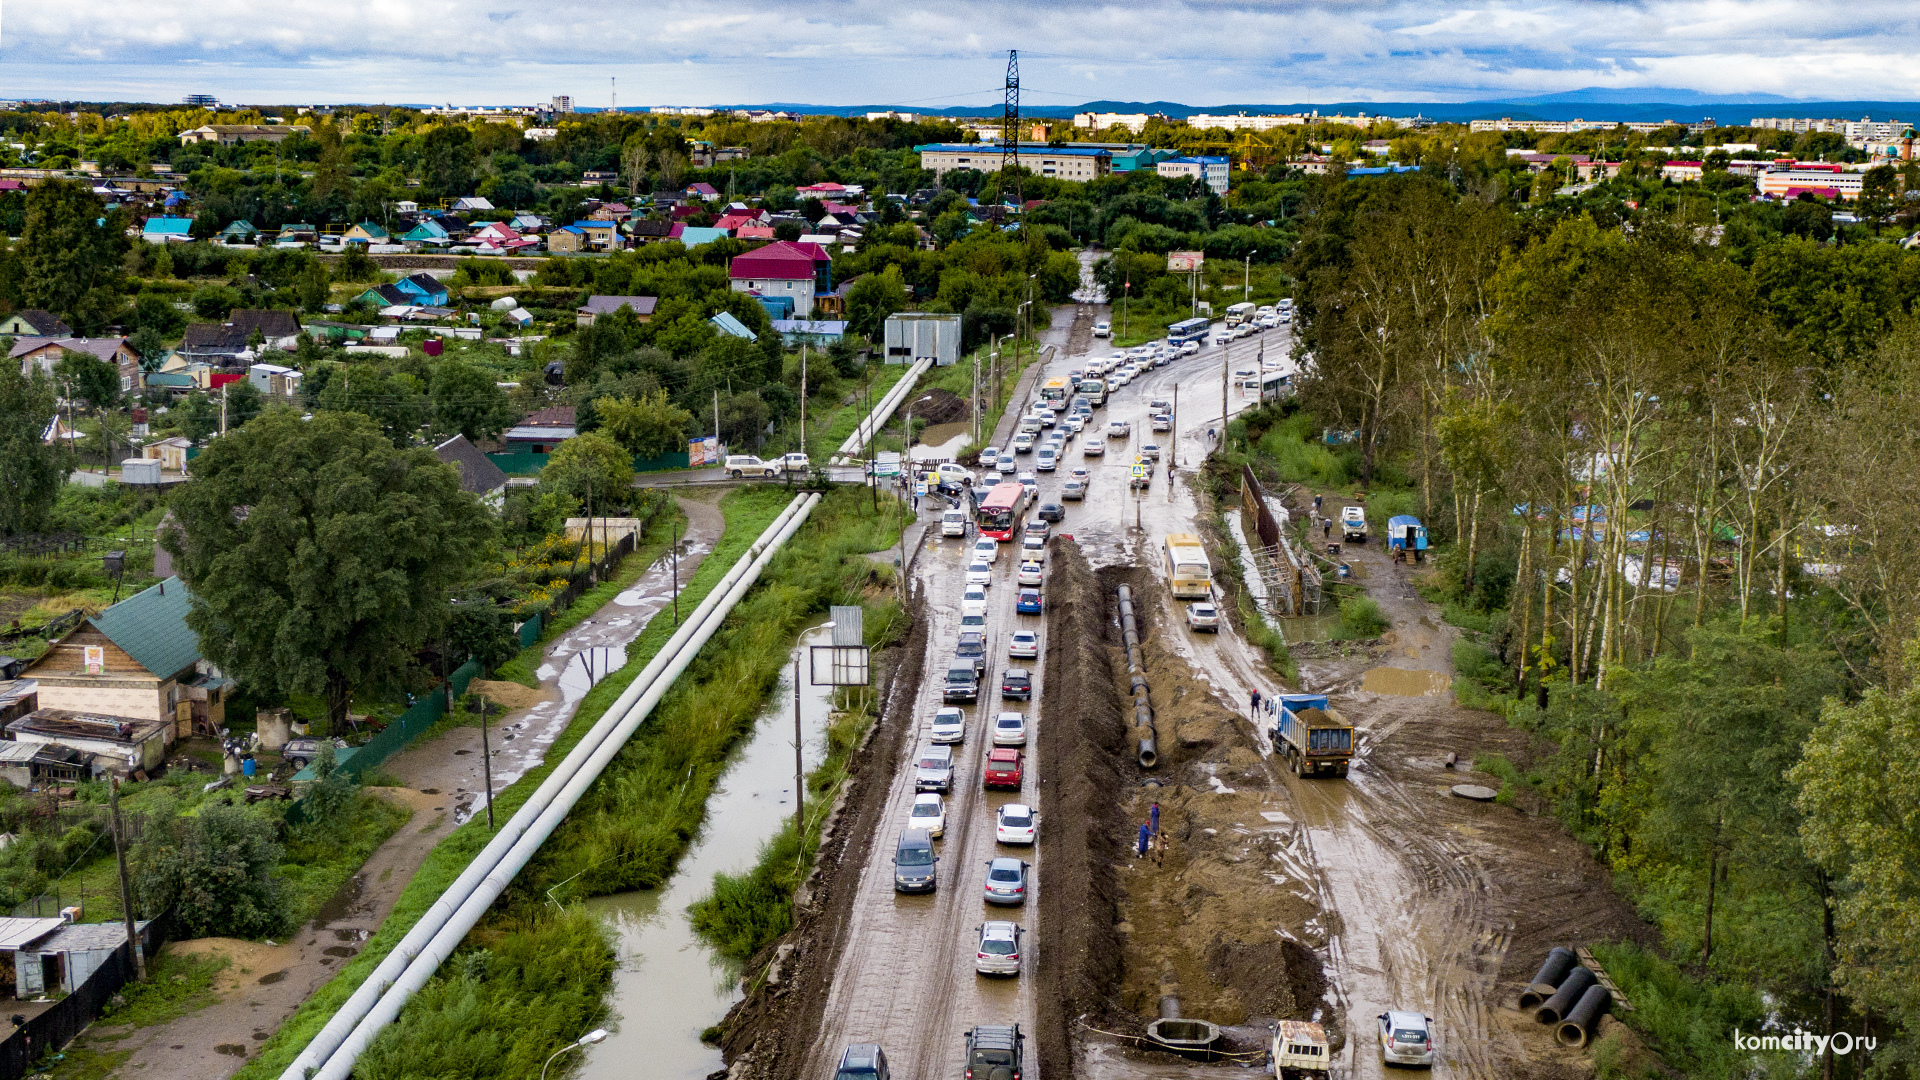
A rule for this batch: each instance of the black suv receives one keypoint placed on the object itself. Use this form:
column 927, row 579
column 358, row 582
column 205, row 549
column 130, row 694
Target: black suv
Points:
column 862, row 1061
column 1016, row 684
column 973, row 644
column 993, row 1052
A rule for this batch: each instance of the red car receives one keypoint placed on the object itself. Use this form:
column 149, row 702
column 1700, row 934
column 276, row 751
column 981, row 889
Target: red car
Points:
column 1003, row 768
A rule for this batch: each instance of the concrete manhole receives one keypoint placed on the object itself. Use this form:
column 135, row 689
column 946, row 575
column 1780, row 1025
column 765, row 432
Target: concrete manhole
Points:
column 1476, row 792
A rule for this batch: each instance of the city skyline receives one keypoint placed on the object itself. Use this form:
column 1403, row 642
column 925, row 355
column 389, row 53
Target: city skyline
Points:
column 862, row 52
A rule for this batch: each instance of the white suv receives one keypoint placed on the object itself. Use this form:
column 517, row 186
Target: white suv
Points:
column 739, row 465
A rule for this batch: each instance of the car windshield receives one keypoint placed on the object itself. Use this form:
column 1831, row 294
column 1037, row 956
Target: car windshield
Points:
column 1016, row 821
column 992, row 1057
column 916, row 856
column 997, row 946
column 926, row 809
column 933, row 763
column 960, row 675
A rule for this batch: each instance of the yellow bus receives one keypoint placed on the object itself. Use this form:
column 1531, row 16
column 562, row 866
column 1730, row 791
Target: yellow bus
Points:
column 1054, row 392
column 1188, row 573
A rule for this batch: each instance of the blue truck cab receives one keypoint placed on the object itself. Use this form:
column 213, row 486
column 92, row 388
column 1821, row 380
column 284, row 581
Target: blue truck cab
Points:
column 1311, row 736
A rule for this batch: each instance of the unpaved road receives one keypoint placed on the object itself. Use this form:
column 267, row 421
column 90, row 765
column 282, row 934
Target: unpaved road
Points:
column 267, row 982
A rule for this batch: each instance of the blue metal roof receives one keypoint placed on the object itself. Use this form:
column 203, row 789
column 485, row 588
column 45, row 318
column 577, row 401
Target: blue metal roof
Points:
column 730, row 325
column 168, row 225
column 1401, row 521
column 151, row 627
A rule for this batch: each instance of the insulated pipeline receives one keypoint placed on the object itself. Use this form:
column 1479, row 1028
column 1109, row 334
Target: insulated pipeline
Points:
column 1556, row 1008
column 1137, row 680
column 340, row 1065
column 1548, row 978
column 403, row 954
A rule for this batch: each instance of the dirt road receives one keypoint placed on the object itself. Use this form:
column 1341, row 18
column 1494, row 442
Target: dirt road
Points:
column 268, row 981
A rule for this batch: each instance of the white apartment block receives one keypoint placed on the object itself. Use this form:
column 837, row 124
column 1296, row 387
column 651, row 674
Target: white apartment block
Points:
column 1243, row 122
column 1059, row 162
column 1134, row 122
column 1561, row 127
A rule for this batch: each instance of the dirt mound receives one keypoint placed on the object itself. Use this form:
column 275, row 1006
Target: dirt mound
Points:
column 1083, row 759
column 939, row 406
column 1278, row 979
column 511, row 694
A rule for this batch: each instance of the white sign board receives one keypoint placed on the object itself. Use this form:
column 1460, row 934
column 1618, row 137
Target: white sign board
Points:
column 839, row 665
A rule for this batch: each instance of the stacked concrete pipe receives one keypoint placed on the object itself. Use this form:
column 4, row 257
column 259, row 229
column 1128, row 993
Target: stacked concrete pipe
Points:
column 1551, row 975
column 1137, row 679
column 1578, row 1027
column 1556, row 1008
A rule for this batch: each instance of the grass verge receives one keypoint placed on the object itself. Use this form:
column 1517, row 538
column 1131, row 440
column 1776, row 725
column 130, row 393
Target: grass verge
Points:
column 748, row 512
column 177, row 983
column 1687, row 1021
column 653, row 543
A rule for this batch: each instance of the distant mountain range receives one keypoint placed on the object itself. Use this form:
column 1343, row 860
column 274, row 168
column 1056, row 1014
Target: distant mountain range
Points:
column 1592, row 103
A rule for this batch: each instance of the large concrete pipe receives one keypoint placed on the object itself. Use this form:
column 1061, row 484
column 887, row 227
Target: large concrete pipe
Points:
column 1137, row 680
column 1548, row 978
column 1556, row 1008
column 1578, row 1027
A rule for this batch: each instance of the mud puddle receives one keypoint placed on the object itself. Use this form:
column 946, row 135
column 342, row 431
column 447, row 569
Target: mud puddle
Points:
column 1402, row 682
column 670, row 986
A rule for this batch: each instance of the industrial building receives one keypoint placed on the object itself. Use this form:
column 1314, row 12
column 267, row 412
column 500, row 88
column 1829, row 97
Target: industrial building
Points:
column 1060, row 162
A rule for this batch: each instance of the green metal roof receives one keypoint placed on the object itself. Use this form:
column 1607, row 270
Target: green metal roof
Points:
column 151, row 627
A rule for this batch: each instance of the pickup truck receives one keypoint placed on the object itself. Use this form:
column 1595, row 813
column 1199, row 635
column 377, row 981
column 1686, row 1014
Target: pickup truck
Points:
column 1311, row 736
column 1299, row 1050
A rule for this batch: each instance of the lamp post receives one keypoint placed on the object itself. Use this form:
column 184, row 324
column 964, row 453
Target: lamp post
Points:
column 591, row 1037
column 1246, row 276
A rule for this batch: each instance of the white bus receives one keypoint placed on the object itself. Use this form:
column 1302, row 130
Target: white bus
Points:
column 1188, row 573
column 1240, row 313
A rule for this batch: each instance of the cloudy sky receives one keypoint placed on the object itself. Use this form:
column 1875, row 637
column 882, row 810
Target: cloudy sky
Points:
column 1199, row 52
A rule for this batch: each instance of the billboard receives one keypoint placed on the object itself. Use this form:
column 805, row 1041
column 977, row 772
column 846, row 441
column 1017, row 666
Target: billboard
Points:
column 707, row 451
column 1185, row 262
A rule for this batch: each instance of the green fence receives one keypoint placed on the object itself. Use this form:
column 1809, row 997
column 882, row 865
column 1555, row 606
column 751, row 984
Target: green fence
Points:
column 530, row 631
column 523, row 462
column 395, row 736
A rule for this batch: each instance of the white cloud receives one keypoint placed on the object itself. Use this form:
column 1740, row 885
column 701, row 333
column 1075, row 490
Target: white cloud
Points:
column 871, row 51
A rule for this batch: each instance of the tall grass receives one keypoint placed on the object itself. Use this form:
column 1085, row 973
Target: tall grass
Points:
column 1688, row 1022
column 1360, row 618
column 1298, row 453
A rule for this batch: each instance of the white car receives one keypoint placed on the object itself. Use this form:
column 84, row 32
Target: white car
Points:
column 740, row 465
column 1406, row 1038
column 1024, row 645
column 929, row 813
column 1010, row 729
column 989, row 457
column 1015, row 824
column 1119, row 429
column 974, row 599
column 1022, row 444
column 1202, row 615
column 1222, row 336
column 1074, row 424
column 986, row 549
column 1150, row 451
column 949, row 726
column 1094, row 448
column 1032, row 572
column 980, row 573
column 1033, row 545
column 1046, row 459
column 952, row 473
column 1031, row 483
column 999, row 950
column 1245, row 330
column 1103, row 329
column 1189, row 348
column 1160, row 422
column 1004, row 466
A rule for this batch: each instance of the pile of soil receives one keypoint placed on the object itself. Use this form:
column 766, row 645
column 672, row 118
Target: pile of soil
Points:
column 767, row 1035
column 1083, row 759
column 510, row 694
column 939, row 406
column 1275, row 979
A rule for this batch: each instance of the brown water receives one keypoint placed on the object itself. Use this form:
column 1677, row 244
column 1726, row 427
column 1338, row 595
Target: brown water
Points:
column 1401, row 682
column 670, row 986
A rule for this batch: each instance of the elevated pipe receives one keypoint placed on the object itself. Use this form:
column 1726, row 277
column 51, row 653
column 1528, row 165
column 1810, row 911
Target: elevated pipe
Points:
column 1548, row 978
column 883, row 411
column 411, row 946
column 1137, row 680
column 1556, row 1008
column 339, row 1066
column 1578, row 1027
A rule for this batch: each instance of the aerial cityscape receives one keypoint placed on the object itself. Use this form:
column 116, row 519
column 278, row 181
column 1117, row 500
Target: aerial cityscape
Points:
column 862, row 542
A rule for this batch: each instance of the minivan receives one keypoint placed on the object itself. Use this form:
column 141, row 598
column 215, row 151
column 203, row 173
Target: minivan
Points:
column 1103, row 328
column 913, row 862
column 953, row 522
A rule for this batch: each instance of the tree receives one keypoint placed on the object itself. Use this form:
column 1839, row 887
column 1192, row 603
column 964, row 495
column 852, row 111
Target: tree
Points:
column 395, row 401
column 211, row 874
column 86, row 377
column 483, row 630
column 199, row 417
column 647, row 426
column 447, row 160
column 31, row 471
column 593, row 469
column 872, row 299
column 244, row 402
column 152, row 346
column 70, row 260
column 313, row 286
column 465, row 398
column 340, row 566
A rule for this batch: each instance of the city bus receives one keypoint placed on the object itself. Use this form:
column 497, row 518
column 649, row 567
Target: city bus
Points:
column 1240, row 313
column 1188, row 574
column 1189, row 330
column 1054, row 393
column 998, row 517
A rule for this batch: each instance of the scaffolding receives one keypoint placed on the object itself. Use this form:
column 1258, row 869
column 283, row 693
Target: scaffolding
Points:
column 1292, row 582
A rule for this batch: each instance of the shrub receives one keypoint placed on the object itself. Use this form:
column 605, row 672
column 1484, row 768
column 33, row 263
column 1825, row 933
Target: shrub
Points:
column 1360, row 617
column 212, row 874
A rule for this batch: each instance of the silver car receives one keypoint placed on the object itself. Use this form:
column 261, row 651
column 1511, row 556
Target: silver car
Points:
column 949, row 726
column 1006, row 881
column 999, row 950
column 1406, row 1038
column 1010, row 729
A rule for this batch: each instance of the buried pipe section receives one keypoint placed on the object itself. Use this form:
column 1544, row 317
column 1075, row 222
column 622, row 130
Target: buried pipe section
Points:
column 1137, row 680
column 1556, row 1008
column 1192, row 1038
column 1579, row 1025
column 1548, row 978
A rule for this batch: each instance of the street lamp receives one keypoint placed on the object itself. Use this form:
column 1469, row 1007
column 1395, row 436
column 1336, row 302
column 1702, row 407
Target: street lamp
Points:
column 1246, row 276
column 591, row 1037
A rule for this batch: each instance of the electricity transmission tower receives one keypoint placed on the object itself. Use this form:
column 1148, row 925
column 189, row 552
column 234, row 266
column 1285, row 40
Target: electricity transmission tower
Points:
column 1010, row 130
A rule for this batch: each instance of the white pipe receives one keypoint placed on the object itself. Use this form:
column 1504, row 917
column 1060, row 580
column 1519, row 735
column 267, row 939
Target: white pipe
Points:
column 883, row 411
column 339, row 1066
column 390, row 968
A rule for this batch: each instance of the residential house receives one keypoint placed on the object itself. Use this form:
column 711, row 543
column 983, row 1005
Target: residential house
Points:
column 228, row 134
column 613, row 211
column 567, row 238
column 478, row 474
column 366, row 233
column 423, row 289
column 427, row 231
column 828, row 190
column 62, row 960
column 116, row 744
column 663, row 200
column 228, row 343
column 740, row 220
column 471, row 204
column 167, row 230
column 784, row 268
column 137, row 660
column 299, row 231
column 171, row 453
column 45, row 352
column 641, row 306
column 384, row 296
column 753, row 232
column 528, row 223
column 543, row 431
column 494, row 231
column 649, row 232
column 693, row 236
column 703, row 192
column 275, row 380
column 34, row 323
column 240, row 232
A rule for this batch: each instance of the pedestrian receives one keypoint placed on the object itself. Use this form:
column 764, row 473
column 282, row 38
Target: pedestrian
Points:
column 1256, row 702
column 1316, row 504
column 1153, row 818
column 1326, row 528
column 1140, row 845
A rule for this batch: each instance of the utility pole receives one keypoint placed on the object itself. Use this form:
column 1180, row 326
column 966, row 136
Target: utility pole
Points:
column 799, row 767
column 1176, row 432
column 1226, row 379
column 1246, row 276
column 674, row 552
column 486, row 757
column 803, row 397
column 223, row 407
column 976, row 394
column 126, row 885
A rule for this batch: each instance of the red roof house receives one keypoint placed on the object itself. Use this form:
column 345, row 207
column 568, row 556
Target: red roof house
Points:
column 784, row 268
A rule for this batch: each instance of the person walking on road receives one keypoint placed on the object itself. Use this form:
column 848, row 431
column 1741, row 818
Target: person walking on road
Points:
column 1256, row 704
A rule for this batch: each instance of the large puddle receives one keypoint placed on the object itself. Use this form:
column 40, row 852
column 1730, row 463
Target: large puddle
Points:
column 1401, row 682
column 669, row 987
